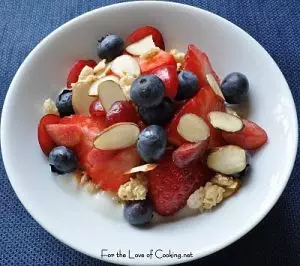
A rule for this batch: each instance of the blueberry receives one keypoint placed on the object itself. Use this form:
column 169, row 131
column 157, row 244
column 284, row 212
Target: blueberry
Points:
column 235, row 88
column 152, row 143
column 158, row 115
column 188, row 85
column 147, row 90
column 138, row 212
column 64, row 103
column 110, row 46
column 62, row 160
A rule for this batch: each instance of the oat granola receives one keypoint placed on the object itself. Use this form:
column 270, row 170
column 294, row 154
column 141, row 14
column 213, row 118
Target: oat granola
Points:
column 178, row 56
column 125, row 83
column 135, row 189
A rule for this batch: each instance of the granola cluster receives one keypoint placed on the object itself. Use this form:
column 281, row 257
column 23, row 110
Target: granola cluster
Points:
column 213, row 193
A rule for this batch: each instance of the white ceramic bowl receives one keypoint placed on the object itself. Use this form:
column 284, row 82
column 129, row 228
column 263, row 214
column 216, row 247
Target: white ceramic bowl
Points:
column 90, row 224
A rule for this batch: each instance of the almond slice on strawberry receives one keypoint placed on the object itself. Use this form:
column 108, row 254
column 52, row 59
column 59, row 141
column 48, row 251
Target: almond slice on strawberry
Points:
column 118, row 136
column 141, row 168
column 171, row 186
column 201, row 104
column 226, row 122
column 193, row 128
column 64, row 135
column 214, row 85
column 45, row 141
column 252, row 136
column 142, row 32
column 227, row 160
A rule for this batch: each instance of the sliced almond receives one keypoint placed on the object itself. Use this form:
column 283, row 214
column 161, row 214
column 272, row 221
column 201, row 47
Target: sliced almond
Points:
column 141, row 46
column 125, row 64
column 117, row 136
column 142, row 168
column 227, row 160
column 93, row 91
column 102, row 73
column 81, row 100
column 193, row 128
column 100, row 66
column 225, row 121
column 109, row 92
column 214, row 85
column 85, row 72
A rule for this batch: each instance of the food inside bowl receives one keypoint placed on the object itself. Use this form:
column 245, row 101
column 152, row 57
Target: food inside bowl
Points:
column 151, row 126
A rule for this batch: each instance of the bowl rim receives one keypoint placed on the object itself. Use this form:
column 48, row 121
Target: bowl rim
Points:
column 5, row 119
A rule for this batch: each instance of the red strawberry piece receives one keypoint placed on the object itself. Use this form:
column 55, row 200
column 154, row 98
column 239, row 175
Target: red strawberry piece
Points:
column 159, row 60
column 168, row 74
column 145, row 31
column 90, row 128
column 198, row 62
column 45, row 141
column 64, row 135
column 252, row 136
column 76, row 69
column 189, row 152
column 97, row 157
column 201, row 104
column 84, row 121
column 171, row 186
column 215, row 139
column 121, row 111
column 96, row 109
column 107, row 169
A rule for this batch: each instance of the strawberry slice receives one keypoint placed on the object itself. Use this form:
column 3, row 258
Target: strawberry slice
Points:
column 106, row 168
column 97, row 157
column 64, row 135
column 159, row 60
column 197, row 62
column 252, row 136
column 121, row 111
column 90, row 128
column 76, row 69
column 201, row 104
column 145, row 31
column 170, row 186
column 84, row 121
column 168, row 74
column 45, row 141
column 189, row 152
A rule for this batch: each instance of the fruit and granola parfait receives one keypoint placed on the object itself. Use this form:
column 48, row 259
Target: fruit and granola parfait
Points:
column 150, row 126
